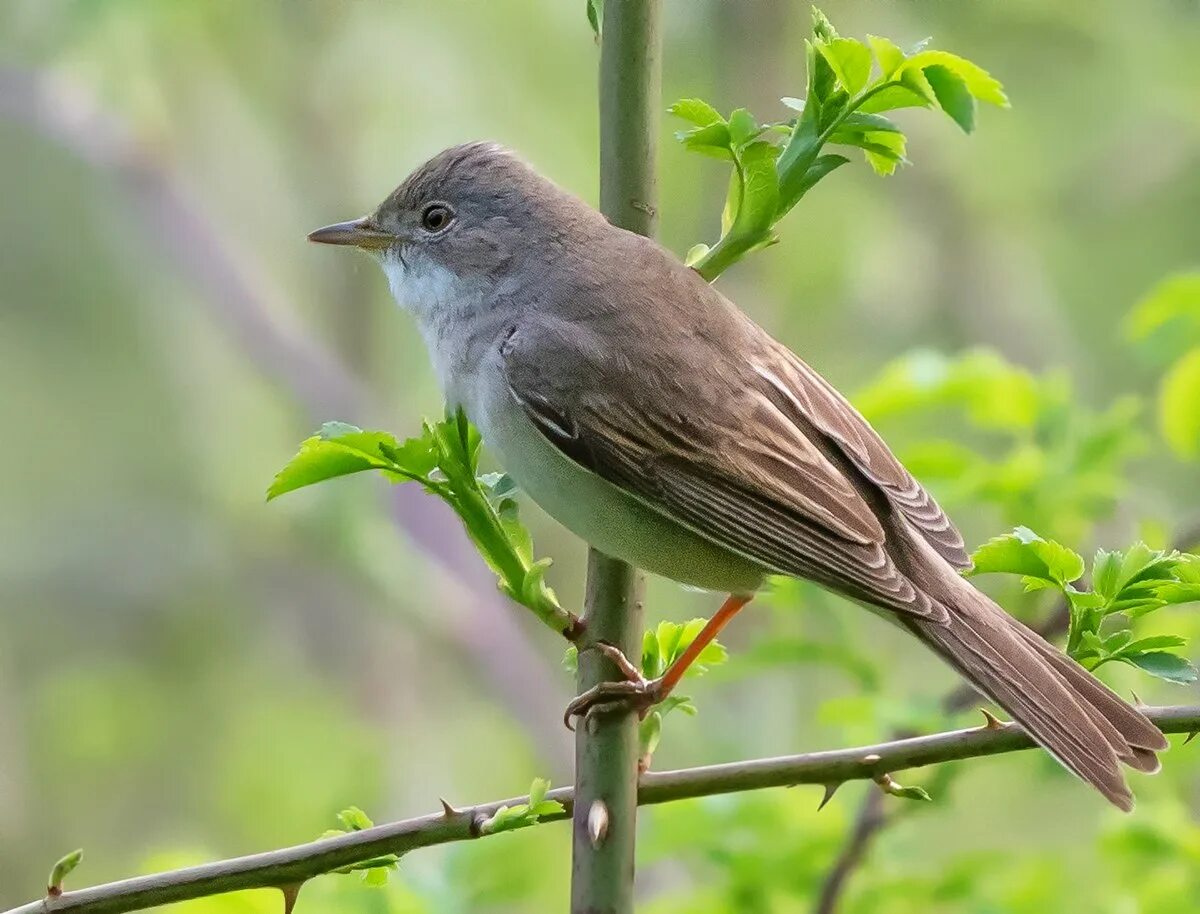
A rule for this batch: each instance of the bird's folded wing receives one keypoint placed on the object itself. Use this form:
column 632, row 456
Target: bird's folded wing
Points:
column 759, row 486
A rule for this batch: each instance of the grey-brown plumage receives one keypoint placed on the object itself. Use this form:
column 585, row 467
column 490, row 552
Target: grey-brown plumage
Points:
column 655, row 419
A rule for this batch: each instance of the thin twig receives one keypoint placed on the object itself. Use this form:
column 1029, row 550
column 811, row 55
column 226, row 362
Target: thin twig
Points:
column 286, row 867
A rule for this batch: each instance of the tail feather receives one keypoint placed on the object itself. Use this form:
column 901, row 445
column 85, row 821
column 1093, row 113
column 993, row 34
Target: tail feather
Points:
column 1065, row 709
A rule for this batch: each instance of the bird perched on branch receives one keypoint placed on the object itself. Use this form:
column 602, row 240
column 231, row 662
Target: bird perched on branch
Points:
column 649, row 415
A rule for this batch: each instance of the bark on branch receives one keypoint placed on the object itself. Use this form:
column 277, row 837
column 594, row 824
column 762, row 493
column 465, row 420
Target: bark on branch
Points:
column 292, row 865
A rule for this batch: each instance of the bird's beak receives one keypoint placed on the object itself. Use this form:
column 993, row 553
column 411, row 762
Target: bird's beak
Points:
column 359, row 233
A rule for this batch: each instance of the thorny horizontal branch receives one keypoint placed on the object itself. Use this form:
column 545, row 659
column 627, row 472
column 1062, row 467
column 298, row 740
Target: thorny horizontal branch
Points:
column 286, row 868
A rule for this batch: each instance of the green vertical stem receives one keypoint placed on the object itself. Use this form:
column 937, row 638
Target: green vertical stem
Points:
column 606, row 746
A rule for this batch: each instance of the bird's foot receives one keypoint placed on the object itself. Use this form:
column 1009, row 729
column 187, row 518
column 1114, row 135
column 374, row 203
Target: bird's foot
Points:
column 635, row 693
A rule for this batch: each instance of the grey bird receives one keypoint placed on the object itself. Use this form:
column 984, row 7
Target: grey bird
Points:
column 650, row 416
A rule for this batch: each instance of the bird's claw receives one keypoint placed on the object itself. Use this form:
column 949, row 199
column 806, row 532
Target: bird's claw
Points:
column 635, row 693
column 613, row 697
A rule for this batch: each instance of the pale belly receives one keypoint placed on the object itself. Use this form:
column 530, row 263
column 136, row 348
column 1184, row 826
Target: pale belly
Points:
column 596, row 511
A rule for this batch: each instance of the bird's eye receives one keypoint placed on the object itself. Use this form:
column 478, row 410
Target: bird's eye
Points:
column 435, row 217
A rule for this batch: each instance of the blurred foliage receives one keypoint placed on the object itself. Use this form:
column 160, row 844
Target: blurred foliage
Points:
column 185, row 675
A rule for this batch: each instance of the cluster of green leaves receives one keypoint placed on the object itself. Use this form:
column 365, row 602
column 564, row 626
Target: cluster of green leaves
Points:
column 1167, row 322
column 508, row 818
column 375, row 872
column 1021, row 442
column 1126, row 586
column 850, row 85
column 662, row 646
column 444, row 460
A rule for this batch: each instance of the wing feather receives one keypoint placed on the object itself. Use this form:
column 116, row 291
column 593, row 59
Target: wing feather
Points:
column 773, row 496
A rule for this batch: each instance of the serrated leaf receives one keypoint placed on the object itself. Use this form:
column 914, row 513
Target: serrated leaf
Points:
column 354, row 819
column 1152, row 643
column 888, row 56
column 893, row 97
column 1008, row 554
column 713, row 140
column 857, row 120
column 850, row 61
column 1064, row 565
column 978, row 81
column 696, row 111
column 537, row 791
column 1118, row 640
column 822, row 28
column 1179, row 406
column 759, row 190
column 1106, row 570
column 1170, row 667
column 952, row 95
column 1174, row 593
column 742, row 127
column 320, row 459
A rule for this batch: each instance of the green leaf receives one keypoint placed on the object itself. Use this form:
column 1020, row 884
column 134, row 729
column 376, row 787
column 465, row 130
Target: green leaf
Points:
column 1025, row 553
column 850, row 61
column 1174, row 300
column 537, row 791
column 354, row 819
column 1009, row 554
column 322, row 458
column 595, row 14
column 1170, row 667
column 857, row 120
column 820, row 168
column 1064, row 565
column 952, row 95
column 696, row 111
column 375, row 877
column 62, row 869
column 1152, row 643
column 822, row 28
column 695, row 254
column 893, row 97
column 978, row 81
column 713, row 140
column 650, row 733
column 742, row 127
column 1106, row 570
column 887, row 54
column 1179, row 406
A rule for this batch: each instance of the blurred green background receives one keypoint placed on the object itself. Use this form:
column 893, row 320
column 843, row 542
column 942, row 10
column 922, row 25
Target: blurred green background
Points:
column 187, row 673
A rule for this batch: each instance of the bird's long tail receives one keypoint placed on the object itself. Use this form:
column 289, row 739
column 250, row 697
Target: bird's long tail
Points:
column 1062, row 706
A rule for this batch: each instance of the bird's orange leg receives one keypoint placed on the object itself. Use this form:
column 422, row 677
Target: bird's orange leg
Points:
column 643, row 694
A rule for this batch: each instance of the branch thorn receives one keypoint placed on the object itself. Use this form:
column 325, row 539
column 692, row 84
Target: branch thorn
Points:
column 597, row 823
column 290, row 893
column 990, row 720
column 1137, row 699
column 830, row 790
column 447, row 810
column 1191, row 736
